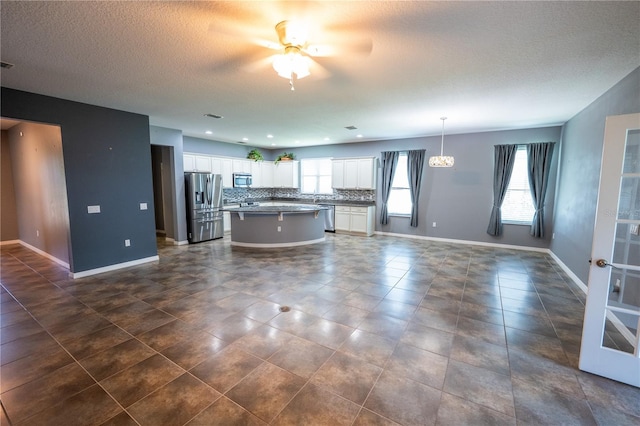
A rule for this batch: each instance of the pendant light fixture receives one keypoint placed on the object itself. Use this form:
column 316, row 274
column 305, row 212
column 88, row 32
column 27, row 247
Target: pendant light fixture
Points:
column 441, row 160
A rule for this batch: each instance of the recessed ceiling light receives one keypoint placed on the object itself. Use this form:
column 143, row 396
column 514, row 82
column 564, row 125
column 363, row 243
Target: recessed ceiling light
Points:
column 270, row 136
column 213, row 115
column 209, row 132
column 297, row 141
column 245, row 139
column 358, row 136
column 273, row 144
column 326, row 139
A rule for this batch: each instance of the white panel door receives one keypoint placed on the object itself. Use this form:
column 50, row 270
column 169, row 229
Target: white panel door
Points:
column 613, row 298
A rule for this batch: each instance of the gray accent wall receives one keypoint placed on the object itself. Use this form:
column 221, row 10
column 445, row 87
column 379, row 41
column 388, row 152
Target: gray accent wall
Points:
column 107, row 162
column 8, row 212
column 579, row 178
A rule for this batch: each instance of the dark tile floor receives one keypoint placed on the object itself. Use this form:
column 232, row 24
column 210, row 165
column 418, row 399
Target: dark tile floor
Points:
column 381, row 331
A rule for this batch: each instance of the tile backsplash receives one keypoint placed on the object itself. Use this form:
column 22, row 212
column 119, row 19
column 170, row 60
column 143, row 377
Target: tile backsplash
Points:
column 240, row 194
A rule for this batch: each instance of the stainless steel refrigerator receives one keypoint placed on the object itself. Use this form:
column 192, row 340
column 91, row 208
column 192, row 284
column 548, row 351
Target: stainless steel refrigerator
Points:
column 204, row 203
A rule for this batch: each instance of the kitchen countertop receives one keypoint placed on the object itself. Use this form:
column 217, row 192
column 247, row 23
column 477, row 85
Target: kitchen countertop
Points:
column 310, row 201
column 276, row 209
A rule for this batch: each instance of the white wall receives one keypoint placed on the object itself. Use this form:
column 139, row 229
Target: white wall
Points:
column 40, row 188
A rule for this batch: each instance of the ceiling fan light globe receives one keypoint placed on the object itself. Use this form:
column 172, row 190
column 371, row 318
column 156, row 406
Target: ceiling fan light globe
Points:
column 291, row 63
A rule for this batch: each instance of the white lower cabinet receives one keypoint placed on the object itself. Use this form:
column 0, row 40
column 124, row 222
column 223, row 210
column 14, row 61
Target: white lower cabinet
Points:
column 226, row 219
column 355, row 219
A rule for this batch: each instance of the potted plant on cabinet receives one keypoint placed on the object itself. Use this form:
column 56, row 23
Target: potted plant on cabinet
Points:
column 286, row 156
column 255, row 155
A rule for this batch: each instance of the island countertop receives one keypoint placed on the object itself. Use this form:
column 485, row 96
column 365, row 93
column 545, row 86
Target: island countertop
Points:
column 276, row 209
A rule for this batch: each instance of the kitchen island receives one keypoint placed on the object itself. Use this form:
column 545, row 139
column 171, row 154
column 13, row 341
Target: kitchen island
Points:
column 276, row 226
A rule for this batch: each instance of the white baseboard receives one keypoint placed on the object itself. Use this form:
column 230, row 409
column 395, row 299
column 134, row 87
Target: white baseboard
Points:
column 180, row 243
column 569, row 272
column 117, row 266
column 469, row 242
column 45, row 254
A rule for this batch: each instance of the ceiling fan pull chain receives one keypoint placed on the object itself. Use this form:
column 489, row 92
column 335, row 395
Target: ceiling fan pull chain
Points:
column 291, row 82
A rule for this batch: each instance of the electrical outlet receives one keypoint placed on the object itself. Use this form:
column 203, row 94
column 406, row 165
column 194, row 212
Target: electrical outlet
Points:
column 93, row 209
column 434, row 225
column 127, row 243
column 279, row 228
column 37, row 233
column 143, row 206
column 635, row 229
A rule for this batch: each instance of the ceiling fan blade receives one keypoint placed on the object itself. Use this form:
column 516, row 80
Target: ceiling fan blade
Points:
column 362, row 47
column 259, row 65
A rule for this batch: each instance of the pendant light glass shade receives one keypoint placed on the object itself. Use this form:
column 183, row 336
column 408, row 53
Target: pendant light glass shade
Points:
column 441, row 160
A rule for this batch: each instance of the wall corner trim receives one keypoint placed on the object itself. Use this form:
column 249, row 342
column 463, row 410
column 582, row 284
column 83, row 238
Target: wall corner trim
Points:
column 114, row 267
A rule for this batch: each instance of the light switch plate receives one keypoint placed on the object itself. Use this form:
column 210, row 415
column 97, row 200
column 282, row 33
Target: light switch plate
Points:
column 93, row 209
column 143, row 206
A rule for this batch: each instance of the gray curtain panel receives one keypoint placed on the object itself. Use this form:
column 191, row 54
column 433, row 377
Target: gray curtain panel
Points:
column 504, row 158
column 415, row 164
column 389, row 163
column 539, row 157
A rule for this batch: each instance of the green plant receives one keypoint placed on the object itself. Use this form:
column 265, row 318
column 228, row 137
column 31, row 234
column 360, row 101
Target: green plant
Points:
column 255, row 155
column 286, row 156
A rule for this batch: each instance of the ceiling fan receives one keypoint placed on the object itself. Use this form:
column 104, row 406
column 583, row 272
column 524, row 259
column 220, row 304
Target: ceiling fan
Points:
column 297, row 55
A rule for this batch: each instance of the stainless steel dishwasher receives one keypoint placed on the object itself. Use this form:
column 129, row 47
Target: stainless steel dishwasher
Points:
column 329, row 217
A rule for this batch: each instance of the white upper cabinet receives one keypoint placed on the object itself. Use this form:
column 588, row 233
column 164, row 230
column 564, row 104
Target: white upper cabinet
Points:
column 286, row 174
column 268, row 169
column 196, row 163
column 241, row 165
column 256, row 174
column 227, row 173
column 189, row 162
column 354, row 173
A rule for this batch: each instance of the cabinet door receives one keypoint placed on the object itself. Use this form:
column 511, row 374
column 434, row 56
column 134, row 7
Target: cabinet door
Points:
column 256, row 174
column 343, row 219
column 241, row 166
column 267, row 168
column 283, row 176
column 203, row 163
column 337, row 174
column 216, row 165
column 226, row 219
column 359, row 219
column 366, row 173
column 227, row 174
column 189, row 163
column 351, row 174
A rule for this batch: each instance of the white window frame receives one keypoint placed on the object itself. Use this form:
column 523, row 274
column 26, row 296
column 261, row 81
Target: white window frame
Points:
column 518, row 189
column 400, row 179
column 305, row 171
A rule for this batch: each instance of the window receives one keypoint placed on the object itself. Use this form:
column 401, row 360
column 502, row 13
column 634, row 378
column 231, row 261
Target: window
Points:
column 316, row 175
column 517, row 206
column 400, row 197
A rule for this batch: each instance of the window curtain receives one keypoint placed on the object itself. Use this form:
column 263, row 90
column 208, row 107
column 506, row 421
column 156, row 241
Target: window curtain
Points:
column 389, row 163
column 504, row 158
column 415, row 164
column 539, row 157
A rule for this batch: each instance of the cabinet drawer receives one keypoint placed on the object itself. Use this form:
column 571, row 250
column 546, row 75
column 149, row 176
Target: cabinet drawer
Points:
column 346, row 209
column 361, row 210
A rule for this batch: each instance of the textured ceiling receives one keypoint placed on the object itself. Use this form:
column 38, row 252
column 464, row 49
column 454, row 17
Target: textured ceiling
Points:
column 485, row 65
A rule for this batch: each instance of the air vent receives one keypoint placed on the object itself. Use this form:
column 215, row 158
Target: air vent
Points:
column 6, row 65
column 351, row 128
column 213, row 115
column 242, row 142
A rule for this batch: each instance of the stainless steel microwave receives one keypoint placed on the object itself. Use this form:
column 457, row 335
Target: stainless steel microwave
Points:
column 241, row 180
